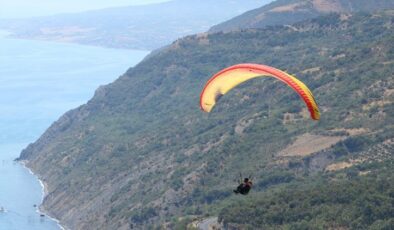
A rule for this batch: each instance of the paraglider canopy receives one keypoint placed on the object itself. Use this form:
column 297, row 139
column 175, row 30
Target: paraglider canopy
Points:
column 228, row 78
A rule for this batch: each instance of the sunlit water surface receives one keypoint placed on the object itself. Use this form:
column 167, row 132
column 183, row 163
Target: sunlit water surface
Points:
column 39, row 81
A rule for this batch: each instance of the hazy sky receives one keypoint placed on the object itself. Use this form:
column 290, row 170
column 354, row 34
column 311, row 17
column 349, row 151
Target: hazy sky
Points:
column 29, row 8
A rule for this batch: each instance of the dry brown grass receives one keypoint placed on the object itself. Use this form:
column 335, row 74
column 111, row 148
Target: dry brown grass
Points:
column 380, row 103
column 338, row 166
column 285, row 8
column 327, row 5
column 311, row 70
column 308, row 144
column 344, row 164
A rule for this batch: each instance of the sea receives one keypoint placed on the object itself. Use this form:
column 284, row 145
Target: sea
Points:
column 40, row 81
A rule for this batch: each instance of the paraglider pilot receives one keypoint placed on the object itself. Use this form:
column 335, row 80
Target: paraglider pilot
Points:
column 244, row 187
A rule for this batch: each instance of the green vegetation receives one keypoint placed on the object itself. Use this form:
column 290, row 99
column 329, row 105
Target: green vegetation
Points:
column 356, row 202
column 142, row 153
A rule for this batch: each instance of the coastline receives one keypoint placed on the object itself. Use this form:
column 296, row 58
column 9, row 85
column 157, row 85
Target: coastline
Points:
column 44, row 191
column 45, row 65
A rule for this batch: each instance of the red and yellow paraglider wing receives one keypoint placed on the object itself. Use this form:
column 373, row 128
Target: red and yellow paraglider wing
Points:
column 223, row 82
column 307, row 96
column 230, row 77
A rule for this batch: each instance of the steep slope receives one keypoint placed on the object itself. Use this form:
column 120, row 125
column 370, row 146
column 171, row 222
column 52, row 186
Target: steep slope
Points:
column 138, row 27
column 282, row 12
column 141, row 153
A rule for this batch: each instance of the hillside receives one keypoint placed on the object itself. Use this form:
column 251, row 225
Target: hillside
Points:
column 141, row 153
column 144, row 27
column 283, row 12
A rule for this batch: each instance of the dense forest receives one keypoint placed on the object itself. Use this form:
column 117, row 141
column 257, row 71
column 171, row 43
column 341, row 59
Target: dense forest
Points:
column 349, row 199
column 141, row 154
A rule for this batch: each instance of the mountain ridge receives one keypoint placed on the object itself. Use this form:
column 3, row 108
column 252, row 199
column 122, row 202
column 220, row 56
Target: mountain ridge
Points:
column 282, row 12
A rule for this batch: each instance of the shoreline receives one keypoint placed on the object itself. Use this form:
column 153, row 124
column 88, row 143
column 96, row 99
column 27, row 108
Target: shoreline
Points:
column 6, row 34
column 44, row 192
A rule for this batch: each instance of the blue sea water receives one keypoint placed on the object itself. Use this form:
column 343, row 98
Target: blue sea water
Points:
column 39, row 81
